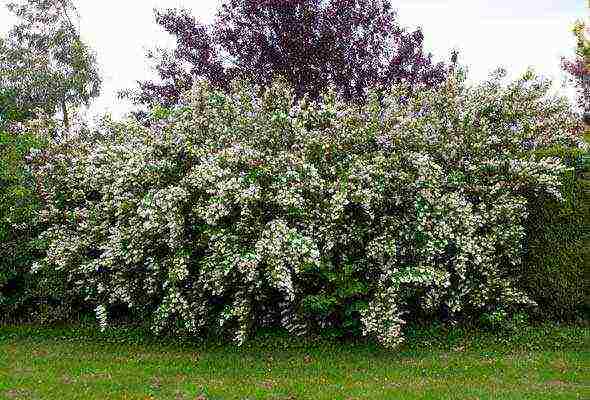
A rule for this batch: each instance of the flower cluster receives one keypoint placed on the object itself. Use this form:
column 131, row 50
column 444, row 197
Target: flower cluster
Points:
column 239, row 209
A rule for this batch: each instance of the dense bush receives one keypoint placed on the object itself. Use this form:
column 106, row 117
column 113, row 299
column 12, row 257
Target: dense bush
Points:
column 42, row 297
column 18, row 208
column 235, row 211
column 556, row 268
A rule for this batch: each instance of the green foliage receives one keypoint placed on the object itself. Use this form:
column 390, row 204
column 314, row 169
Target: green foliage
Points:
column 18, row 208
column 42, row 297
column 556, row 268
column 341, row 299
column 501, row 320
column 9, row 110
column 160, row 112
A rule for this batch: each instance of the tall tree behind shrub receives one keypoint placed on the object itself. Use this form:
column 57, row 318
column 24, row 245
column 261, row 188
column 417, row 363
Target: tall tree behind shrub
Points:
column 44, row 61
column 579, row 67
column 351, row 44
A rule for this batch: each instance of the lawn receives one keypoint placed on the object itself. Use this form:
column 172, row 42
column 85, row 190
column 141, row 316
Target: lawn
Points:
column 74, row 362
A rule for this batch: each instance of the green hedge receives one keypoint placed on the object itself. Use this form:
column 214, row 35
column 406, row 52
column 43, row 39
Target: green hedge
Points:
column 557, row 262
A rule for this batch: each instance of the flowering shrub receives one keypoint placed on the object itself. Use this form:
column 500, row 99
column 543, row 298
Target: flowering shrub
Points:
column 240, row 210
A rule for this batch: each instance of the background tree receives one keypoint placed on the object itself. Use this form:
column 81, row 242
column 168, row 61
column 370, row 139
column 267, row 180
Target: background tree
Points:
column 352, row 44
column 579, row 67
column 44, row 60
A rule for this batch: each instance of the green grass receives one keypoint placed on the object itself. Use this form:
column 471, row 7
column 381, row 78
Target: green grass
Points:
column 74, row 362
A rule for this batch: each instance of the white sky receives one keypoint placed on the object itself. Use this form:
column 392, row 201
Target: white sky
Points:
column 514, row 34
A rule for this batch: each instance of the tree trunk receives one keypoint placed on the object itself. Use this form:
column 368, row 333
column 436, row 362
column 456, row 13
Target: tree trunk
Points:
column 64, row 109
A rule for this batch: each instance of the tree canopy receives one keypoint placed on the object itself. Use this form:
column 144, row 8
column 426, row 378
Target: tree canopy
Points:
column 350, row 44
column 579, row 67
column 44, row 60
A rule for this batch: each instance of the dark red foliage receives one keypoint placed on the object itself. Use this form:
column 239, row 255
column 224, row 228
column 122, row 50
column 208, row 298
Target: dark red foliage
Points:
column 352, row 44
column 579, row 76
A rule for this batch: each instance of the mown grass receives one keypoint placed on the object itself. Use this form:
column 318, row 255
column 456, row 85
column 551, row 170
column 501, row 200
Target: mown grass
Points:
column 75, row 362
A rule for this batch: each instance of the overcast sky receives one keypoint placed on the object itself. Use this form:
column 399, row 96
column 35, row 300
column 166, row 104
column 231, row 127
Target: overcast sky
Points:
column 514, row 34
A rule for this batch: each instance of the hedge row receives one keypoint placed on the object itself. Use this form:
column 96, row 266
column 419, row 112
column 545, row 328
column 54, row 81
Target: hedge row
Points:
column 556, row 268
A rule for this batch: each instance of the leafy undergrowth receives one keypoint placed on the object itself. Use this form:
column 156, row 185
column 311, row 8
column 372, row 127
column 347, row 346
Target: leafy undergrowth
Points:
column 74, row 362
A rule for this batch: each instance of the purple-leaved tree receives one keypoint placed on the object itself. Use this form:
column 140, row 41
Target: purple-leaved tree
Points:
column 579, row 67
column 351, row 44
